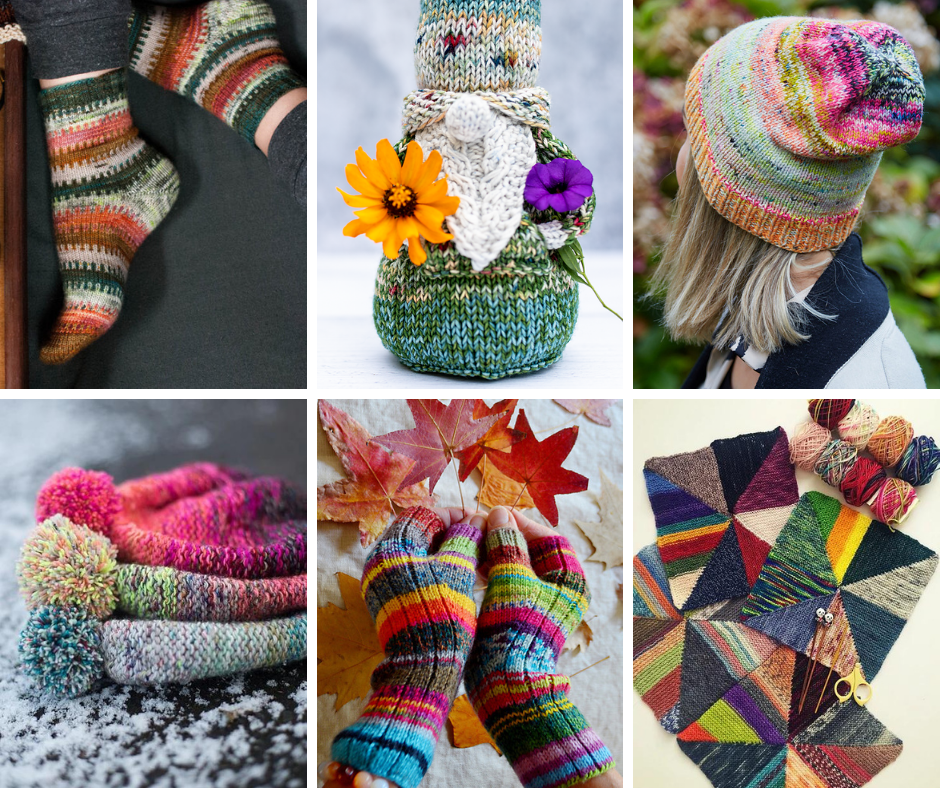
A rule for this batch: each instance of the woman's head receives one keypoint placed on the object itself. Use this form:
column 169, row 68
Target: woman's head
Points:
column 787, row 118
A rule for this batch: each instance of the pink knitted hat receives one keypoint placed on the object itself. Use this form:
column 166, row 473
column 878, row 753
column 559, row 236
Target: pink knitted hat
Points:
column 198, row 518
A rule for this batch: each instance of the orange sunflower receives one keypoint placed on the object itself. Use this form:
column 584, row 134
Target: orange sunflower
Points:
column 399, row 200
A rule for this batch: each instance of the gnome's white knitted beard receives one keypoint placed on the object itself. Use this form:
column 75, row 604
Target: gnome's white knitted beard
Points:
column 487, row 156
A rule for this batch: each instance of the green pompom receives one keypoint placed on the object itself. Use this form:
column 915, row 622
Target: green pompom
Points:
column 60, row 648
column 68, row 565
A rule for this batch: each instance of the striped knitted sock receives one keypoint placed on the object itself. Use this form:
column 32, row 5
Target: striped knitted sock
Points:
column 224, row 55
column 528, row 612
column 110, row 189
column 425, row 617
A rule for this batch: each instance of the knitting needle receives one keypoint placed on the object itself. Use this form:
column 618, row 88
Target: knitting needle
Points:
column 828, row 623
column 820, row 616
column 835, row 659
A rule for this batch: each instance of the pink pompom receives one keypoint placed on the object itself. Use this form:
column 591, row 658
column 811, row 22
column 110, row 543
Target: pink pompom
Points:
column 86, row 497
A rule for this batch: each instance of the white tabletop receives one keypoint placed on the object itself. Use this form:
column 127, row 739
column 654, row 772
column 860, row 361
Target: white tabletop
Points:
column 351, row 356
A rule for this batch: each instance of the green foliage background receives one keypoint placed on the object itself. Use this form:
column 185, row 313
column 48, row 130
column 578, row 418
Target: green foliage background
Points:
column 900, row 223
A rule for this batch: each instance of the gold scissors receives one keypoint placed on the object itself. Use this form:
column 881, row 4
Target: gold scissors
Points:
column 855, row 682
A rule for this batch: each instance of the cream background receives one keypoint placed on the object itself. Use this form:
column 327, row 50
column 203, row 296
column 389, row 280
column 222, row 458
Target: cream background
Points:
column 906, row 690
column 597, row 692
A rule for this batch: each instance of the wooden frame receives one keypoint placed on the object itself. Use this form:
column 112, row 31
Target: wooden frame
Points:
column 13, row 350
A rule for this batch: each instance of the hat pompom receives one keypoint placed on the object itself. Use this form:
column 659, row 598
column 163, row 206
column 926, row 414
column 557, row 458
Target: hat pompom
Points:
column 60, row 647
column 65, row 564
column 88, row 498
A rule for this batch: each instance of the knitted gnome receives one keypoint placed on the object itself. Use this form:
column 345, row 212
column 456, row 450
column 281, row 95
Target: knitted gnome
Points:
column 492, row 295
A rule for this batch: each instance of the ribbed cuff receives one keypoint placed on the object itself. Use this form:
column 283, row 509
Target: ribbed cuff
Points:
column 287, row 153
column 74, row 37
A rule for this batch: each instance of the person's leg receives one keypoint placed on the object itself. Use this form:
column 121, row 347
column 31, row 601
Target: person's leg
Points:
column 109, row 188
column 225, row 56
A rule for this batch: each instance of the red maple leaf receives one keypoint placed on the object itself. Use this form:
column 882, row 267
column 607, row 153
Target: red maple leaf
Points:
column 440, row 431
column 376, row 484
column 594, row 409
column 537, row 464
column 499, row 437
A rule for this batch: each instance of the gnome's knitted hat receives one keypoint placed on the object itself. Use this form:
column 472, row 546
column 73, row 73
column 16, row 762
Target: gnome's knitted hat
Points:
column 478, row 45
column 787, row 120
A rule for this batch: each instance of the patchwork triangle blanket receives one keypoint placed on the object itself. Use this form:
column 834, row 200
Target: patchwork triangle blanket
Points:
column 732, row 695
column 718, row 510
column 828, row 555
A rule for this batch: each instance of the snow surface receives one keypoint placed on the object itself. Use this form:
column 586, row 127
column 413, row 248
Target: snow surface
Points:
column 230, row 732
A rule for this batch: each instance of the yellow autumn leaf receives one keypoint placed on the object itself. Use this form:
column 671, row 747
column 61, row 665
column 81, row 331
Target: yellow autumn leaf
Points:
column 468, row 730
column 348, row 648
column 579, row 639
column 499, row 490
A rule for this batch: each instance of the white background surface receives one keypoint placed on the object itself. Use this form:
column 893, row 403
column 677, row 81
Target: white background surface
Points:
column 350, row 354
column 598, row 692
column 906, row 691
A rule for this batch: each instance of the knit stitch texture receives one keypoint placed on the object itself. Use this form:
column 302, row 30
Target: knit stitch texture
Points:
column 718, row 512
column 535, row 597
column 224, row 55
column 478, row 45
column 425, row 617
column 110, row 189
column 198, row 518
column 515, row 316
column 787, row 120
column 830, row 556
column 732, row 695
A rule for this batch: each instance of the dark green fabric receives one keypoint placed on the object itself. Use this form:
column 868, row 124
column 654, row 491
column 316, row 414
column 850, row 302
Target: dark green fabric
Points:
column 217, row 295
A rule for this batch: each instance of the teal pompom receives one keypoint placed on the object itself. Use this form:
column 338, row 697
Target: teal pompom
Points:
column 60, row 647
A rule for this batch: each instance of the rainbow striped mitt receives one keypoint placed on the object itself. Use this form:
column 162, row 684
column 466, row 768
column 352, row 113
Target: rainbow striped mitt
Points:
column 528, row 612
column 425, row 618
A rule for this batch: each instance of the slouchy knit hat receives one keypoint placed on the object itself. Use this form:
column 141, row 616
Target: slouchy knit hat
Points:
column 788, row 118
column 468, row 45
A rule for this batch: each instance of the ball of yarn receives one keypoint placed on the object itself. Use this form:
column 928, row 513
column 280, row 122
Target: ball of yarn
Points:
column 894, row 501
column 85, row 497
column 858, row 425
column 60, row 647
column 829, row 412
column 919, row 462
column 835, row 461
column 807, row 444
column 862, row 481
column 889, row 441
column 66, row 565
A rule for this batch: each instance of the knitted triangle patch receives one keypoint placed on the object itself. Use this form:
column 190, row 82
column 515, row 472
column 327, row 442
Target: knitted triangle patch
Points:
column 750, row 476
column 756, row 735
column 681, row 666
column 830, row 556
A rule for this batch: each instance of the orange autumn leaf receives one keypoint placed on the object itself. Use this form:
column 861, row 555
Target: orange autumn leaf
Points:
column 499, row 437
column 467, row 728
column 499, row 490
column 348, row 648
column 376, row 484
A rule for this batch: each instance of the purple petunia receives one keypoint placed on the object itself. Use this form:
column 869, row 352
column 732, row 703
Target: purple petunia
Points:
column 562, row 184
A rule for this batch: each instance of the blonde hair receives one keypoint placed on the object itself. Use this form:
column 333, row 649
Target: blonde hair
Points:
column 716, row 276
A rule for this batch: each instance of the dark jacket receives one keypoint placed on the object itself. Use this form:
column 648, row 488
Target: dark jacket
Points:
column 863, row 348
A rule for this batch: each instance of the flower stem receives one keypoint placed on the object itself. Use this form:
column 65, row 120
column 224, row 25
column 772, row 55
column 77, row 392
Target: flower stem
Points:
column 524, row 485
column 459, row 489
column 584, row 274
column 589, row 666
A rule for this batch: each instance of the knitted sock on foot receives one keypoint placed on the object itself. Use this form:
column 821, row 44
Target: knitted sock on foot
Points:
column 224, row 55
column 110, row 189
column 528, row 612
column 425, row 618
